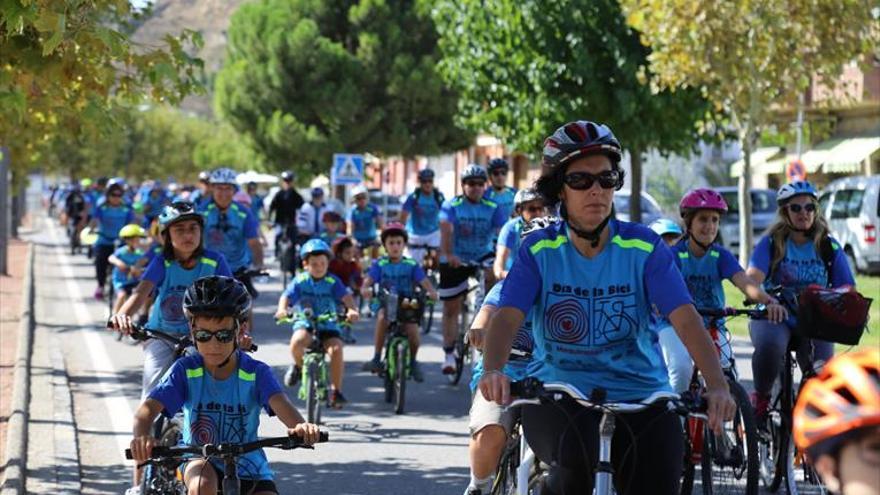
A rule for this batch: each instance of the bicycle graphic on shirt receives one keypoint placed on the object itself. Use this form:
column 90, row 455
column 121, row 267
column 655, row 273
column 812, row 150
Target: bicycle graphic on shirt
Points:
column 591, row 322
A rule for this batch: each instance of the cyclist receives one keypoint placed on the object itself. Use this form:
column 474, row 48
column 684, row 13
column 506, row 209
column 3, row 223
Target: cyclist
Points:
column 220, row 390
column 796, row 252
column 203, row 192
column 704, row 264
column 126, row 271
column 528, row 205
column 400, row 274
column 284, row 205
column 184, row 259
column 154, row 201
column 668, row 230
column 321, row 292
column 421, row 214
column 231, row 228
column 468, row 224
column 592, row 282
column 333, row 222
column 75, row 207
column 345, row 266
column 308, row 221
column 110, row 218
column 837, row 422
column 257, row 200
column 363, row 220
column 499, row 193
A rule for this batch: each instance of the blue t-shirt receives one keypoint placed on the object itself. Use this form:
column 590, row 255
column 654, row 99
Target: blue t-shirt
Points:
column 128, row 257
column 330, row 238
column 801, row 266
column 509, row 237
column 364, row 221
column 257, row 206
column 524, row 341
column 171, row 281
column 154, row 203
column 402, row 275
column 216, row 411
column 111, row 219
column 703, row 275
column 229, row 232
column 154, row 250
column 322, row 295
column 591, row 322
column 424, row 212
column 474, row 225
column 503, row 198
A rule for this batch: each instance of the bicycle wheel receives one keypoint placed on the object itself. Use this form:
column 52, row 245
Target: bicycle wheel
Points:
column 775, row 446
column 313, row 402
column 505, row 478
column 694, row 440
column 428, row 316
column 730, row 461
column 402, row 356
column 459, row 353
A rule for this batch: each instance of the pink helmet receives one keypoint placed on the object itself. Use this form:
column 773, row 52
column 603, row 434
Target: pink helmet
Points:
column 702, row 199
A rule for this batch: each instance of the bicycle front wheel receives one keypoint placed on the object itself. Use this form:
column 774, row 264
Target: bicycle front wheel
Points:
column 730, row 461
column 460, row 350
column 313, row 402
column 402, row 353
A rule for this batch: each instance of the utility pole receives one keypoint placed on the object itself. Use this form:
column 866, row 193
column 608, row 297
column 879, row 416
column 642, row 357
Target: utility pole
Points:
column 5, row 209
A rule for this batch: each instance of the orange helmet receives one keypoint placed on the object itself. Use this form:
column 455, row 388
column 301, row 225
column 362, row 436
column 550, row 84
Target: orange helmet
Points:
column 843, row 398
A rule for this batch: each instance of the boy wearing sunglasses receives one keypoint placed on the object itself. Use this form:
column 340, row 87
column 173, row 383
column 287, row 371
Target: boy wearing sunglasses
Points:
column 220, row 391
column 528, row 205
column 498, row 191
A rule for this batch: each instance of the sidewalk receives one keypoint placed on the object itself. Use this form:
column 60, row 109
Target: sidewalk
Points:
column 11, row 295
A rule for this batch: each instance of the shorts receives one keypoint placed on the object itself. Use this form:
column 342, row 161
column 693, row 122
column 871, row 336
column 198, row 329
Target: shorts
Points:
column 454, row 280
column 246, row 485
column 485, row 413
column 432, row 239
column 125, row 286
column 323, row 333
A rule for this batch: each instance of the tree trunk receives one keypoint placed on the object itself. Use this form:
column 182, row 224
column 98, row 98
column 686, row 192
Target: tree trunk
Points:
column 745, row 201
column 635, row 196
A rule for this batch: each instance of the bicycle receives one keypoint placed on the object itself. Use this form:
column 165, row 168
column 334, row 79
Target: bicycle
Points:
column 286, row 252
column 726, row 458
column 314, row 385
column 168, row 458
column 397, row 359
column 532, row 391
column 430, row 267
column 472, row 299
column 246, row 276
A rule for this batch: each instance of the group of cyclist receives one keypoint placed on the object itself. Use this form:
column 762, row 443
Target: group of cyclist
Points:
column 572, row 295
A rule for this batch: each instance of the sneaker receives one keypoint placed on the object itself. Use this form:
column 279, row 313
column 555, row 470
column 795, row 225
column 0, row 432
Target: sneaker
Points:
column 347, row 337
column 135, row 490
column 337, row 400
column 99, row 293
column 449, row 364
column 374, row 366
column 761, row 404
column 291, row 376
column 415, row 370
column 473, row 491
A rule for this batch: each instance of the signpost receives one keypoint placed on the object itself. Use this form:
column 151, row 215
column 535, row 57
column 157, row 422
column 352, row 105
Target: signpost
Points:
column 795, row 171
column 347, row 169
column 5, row 207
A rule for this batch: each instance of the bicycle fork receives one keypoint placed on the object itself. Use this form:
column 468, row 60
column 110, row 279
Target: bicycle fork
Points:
column 604, row 469
column 524, row 470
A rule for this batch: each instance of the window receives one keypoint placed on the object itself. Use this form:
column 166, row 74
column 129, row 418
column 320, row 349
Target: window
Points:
column 824, row 199
column 839, row 204
column 763, row 202
column 854, row 205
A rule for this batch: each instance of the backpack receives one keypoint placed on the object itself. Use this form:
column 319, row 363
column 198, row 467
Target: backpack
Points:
column 438, row 197
column 826, row 254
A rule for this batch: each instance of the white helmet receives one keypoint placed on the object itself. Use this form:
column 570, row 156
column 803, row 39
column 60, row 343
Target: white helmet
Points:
column 358, row 190
column 223, row 176
column 525, row 195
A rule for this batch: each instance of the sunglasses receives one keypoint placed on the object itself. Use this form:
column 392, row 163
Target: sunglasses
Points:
column 534, row 209
column 474, row 183
column 116, row 195
column 581, row 181
column 223, row 336
column 796, row 208
column 183, row 206
column 499, row 172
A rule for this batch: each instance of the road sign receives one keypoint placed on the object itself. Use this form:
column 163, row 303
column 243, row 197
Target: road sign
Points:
column 347, row 169
column 796, row 171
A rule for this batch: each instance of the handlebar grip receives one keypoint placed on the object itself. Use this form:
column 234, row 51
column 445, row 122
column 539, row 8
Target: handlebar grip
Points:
column 253, row 348
column 528, row 388
column 128, row 454
column 323, row 436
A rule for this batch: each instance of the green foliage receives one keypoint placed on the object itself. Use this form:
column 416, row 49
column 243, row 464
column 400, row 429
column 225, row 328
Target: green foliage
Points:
column 304, row 79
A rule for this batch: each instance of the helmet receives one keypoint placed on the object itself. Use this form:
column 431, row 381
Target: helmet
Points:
column 223, row 176
column 702, row 199
column 580, row 138
column 242, row 197
column 331, row 216
column 793, row 189
column 287, row 176
column 217, row 296
column 102, row 181
column 314, row 246
column 358, row 190
column 843, row 398
column 538, row 224
column 396, row 229
column 497, row 164
column 663, row 226
column 426, row 174
column 132, row 230
column 114, row 187
column 474, row 171
column 85, row 182
column 317, row 192
column 178, row 212
column 116, row 181
column 525, row 195
column 204, row 176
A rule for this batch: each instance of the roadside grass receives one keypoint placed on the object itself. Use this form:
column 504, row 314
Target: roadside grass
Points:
column 868, row 286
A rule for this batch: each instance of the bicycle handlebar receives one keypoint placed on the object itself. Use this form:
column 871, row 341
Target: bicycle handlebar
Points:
column 160, row 452
column 251, row 273
column 723, row 312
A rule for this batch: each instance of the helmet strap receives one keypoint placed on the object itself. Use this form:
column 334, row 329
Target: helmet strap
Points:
column 590, row 235
column 704, row 247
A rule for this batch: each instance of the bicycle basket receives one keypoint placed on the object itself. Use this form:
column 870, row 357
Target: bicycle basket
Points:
column 835, row 315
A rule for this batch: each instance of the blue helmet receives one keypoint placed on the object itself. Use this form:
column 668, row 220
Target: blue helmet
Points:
column 474, row 171
column 426, row 174
column 580, row 138
column 178, row 212
column 793, row 189
column 317, row 192
column 497, row 164
column 663, row 226
column 314, row 246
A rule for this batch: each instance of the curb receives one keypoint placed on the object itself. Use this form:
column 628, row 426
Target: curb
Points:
column 16, row 440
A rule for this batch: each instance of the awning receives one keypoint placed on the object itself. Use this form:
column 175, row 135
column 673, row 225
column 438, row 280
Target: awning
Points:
column 259, row 178
column 759, row 157
column 848, row 154
column 814, row 159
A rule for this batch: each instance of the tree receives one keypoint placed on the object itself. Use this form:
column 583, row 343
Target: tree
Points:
column 749, row 58
column 522, row 68
column 306, row 79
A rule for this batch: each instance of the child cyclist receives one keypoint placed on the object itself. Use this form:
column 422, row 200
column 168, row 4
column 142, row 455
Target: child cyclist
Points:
column 332, row 224
column 221, row 391
column 320, row 292
column 401, row 274
column 126, row 270
column 704, row 265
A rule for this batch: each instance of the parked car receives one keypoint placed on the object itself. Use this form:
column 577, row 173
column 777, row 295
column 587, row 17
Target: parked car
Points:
column 650, row 207
column 378, row 198
column 852, row 207
column 763, row 215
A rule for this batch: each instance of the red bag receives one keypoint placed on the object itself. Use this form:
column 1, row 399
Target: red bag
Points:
column 835, row 315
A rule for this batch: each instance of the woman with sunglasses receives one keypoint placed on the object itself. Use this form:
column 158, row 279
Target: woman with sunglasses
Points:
column 796, row 252
column 110, row 217
column 528, row 205
column 592, row 282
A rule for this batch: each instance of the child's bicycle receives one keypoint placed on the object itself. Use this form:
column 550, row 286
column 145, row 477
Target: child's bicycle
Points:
column 314, row 385
column 169, row 458
column 397, row 359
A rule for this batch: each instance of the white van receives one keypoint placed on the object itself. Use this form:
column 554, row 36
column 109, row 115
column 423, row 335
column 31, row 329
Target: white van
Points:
column 852, row 207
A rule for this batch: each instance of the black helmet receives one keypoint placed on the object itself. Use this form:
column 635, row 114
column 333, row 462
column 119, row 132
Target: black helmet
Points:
column 217, row 296
column 426, row 174
column 497, row 164
column 287, row 176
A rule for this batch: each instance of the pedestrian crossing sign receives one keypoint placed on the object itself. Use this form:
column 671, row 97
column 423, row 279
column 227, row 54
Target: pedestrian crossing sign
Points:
column 347, row 169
